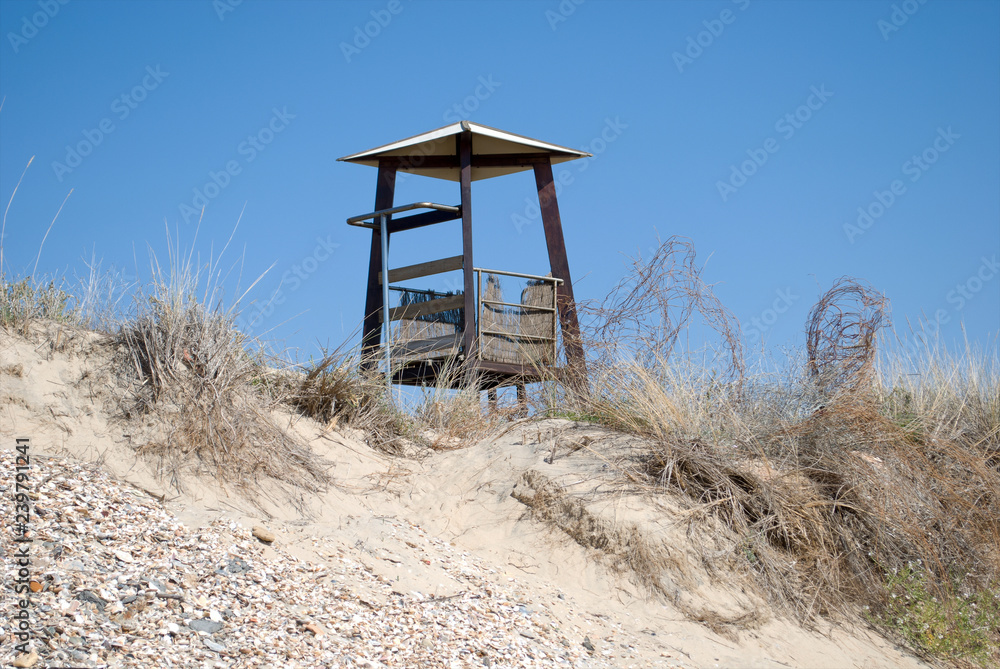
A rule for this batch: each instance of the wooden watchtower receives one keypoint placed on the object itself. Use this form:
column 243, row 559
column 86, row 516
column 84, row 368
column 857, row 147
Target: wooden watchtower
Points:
column 492, row 339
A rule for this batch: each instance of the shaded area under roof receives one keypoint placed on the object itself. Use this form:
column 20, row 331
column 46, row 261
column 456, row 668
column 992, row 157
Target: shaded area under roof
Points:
column 494, row 152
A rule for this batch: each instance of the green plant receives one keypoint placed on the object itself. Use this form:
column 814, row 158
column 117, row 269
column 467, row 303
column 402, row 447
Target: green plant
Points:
column 26, row 300
column 944, row 618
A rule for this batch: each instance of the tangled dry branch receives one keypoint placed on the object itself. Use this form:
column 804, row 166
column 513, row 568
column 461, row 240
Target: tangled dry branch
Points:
column 645, row 314
column 841, row 334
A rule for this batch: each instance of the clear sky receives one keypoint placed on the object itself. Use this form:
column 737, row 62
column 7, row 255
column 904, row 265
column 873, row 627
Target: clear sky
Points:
column 792, row 142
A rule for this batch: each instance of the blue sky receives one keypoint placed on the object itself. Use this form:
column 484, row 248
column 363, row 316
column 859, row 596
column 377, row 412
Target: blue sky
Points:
column 763, row 131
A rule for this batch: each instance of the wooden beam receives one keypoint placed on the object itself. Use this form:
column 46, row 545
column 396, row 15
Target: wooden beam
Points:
column 464, row 150
column 371, row 332
column 425, row 308
column 423, row 269
column 509, row 159
column 488, row 375
column 409, row 163
column 430, row 345
column 422, row 372
column 420, row 220
column 559, row 263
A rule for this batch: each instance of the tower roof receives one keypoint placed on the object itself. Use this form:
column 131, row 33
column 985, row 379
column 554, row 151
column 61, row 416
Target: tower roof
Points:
column 494, row 152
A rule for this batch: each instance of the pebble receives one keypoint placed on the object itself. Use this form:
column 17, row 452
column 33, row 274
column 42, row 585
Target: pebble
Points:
column 272, row 610
column 205, row 625
column 211, row 645
column 26, row 660
column 264, row 534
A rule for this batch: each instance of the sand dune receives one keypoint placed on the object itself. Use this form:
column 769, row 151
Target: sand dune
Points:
column 539, row 524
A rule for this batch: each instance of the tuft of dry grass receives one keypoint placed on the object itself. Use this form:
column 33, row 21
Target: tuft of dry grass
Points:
column 450, row 414
column 337, row 391
column 931, row 391
column 452, row 419
column 198, row 384
column 92, row 301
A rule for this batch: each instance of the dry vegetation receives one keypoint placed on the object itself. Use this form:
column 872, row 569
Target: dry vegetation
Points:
column 337, row 390
column 845, row 482
column 190, row 378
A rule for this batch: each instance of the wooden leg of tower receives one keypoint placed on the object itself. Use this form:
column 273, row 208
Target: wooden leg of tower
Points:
column 371, row 332
column 552, row 224
column 469, row 342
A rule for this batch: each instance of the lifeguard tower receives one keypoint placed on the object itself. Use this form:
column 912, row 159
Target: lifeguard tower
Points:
column 482, row 334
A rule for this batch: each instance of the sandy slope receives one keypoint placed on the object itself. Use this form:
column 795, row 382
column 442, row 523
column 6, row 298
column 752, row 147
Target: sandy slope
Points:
column 380, row 510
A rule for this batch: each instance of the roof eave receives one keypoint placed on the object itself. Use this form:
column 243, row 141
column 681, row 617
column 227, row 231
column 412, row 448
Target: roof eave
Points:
column 466, row 126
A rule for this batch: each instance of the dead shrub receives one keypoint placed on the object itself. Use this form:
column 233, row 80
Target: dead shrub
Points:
column 191, row 377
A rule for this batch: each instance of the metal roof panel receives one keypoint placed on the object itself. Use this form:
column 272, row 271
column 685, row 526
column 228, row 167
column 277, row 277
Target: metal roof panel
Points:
column 437, row 143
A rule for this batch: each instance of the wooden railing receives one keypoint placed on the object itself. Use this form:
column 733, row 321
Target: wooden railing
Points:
column 523, row 332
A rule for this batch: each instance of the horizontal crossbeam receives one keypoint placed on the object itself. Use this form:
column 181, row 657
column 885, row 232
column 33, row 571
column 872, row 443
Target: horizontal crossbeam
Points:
column 405, row 163
column 419, row 346
column 418, row 309
column 421, row 220
column 423, row 269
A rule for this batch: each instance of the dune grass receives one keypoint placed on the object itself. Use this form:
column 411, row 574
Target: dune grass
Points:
column 25, row 300
column 206, row 391
column 337, row 390
column 873, row 491
column 872, row 485
column 848, row 480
